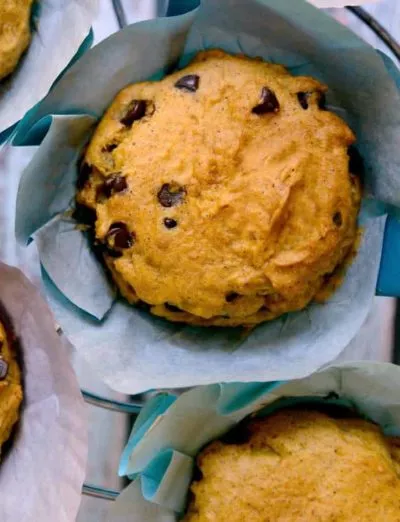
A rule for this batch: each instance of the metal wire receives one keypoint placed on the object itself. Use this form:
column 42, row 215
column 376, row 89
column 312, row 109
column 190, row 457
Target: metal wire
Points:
column 95, row 491
column 130, row 408
column 133, row 408
column 119, row 13
column 377, row 28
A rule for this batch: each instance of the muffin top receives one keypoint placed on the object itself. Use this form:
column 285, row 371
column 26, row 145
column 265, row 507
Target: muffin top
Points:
column 14, row 33
column 10, row 384
column 297, row 466
column 222, row 195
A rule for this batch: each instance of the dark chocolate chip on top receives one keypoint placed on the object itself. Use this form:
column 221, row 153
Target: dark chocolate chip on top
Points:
column 118, row 236
column 303, row 99
column 109, row 147
column 268, row 102
column 170, row 223
column 305, row 96
column 321, row 100
column 114, row 184
column 189, row 83
column 171, row 194
column 135, row 111
column 231, row 296
column 337, row 219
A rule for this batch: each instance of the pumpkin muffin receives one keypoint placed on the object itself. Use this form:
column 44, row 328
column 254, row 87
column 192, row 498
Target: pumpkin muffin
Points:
column 222, row 194
column 15, row 33
column 299, row 466
column 10, row 383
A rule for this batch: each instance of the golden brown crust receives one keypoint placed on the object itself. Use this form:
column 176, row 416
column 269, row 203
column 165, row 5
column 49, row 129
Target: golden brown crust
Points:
column 300, row 466
column 10, row 385
column 262, row 204
column 14, row 33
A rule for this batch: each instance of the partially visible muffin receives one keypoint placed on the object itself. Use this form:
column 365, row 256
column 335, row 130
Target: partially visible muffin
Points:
column 299, row 466
column 10, row 384
column 15, row 33
column 223, row 194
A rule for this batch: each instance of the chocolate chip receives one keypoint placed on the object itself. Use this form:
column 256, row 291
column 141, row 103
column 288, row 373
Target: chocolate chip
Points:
column 321, row 100
column 231, row 296
column 170, row 223
column 356, row 163
column 268, row 102
column 83, row 176
column 189, row 83
column 171, row 194
column 304, row 97
column 135, row 111
column 337, row 219
column 264, row 308
column 114, row 184
column 118, row 236
column 109, row 147
column 172, row 308
column 3, row 369
column 84, row 215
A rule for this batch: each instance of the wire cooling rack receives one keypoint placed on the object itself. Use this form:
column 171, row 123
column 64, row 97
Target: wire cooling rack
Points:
column 133, row 407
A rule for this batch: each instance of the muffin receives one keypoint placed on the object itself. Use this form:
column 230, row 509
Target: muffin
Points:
column 10, row 383
column 222, row 194
column 299, row 465
column 15, row 33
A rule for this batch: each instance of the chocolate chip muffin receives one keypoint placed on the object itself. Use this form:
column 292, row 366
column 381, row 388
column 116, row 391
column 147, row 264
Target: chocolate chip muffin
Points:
column 14, row 33
column 223, row 194
column 299, row 466
column 10, row 383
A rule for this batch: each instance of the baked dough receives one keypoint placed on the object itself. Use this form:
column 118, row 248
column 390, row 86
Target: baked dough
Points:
column 300, row 466
column 10, row 385
column 221, row 195
column 15, row 33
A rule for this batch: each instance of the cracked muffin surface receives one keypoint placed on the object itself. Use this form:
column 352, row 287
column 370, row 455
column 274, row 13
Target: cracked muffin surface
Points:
column 15, row 33
column 222, row 194
column 299, row 466
column 10, row 384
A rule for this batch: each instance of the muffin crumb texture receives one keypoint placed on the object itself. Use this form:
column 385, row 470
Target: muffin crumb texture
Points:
column 10, row 386
column 299, row 466
column 15, row 33
column 222, row 195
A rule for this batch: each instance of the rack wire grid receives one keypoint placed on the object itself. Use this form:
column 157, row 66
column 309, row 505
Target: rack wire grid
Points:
column 133, row 407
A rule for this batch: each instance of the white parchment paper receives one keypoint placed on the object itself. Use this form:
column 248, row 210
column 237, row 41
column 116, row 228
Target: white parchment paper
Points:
column 58, row 32
column 167, row 435
column 130, row 349
column 41, row 475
